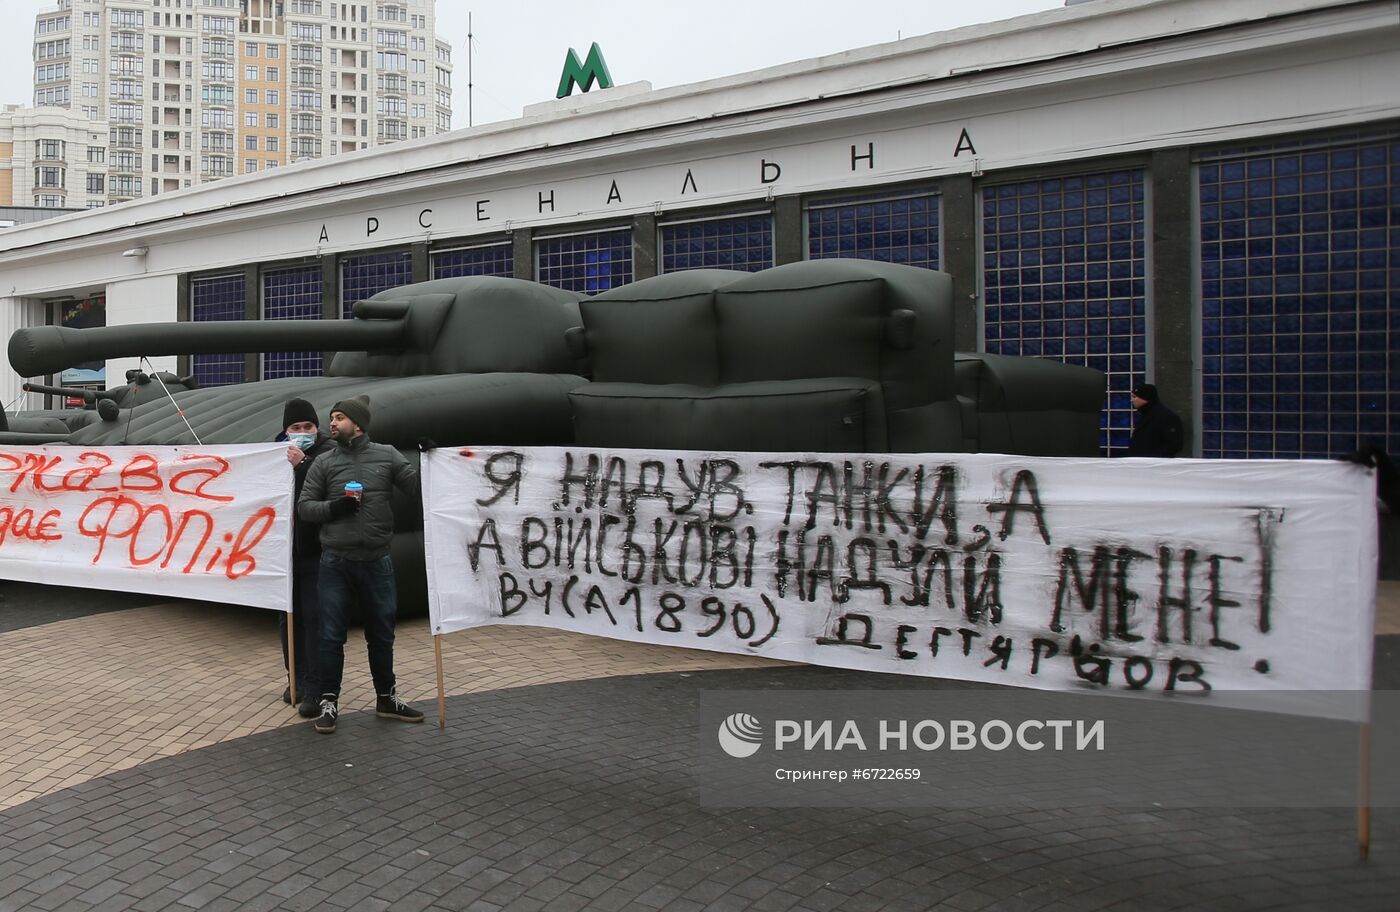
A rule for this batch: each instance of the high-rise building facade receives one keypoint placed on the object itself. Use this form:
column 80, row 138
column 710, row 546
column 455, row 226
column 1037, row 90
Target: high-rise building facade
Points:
column 197, row 90
column 51, row 158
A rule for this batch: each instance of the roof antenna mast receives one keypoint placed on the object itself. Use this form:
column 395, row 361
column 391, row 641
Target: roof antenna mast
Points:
column 469, row 69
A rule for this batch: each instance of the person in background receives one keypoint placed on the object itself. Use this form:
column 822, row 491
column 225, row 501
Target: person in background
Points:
column 348, row 493
column 1157, row 429
column 1387, row 475
column 304, row 443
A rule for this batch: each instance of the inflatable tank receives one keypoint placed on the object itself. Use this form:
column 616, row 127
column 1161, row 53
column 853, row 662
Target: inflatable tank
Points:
column 820, row 356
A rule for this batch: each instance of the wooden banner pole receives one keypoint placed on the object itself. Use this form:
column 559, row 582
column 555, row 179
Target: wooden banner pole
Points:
column 442, row 694
column 1363, row 803
column 292, row 657
column 1363, row 785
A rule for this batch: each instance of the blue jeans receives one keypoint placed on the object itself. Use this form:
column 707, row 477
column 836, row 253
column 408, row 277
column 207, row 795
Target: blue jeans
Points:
column 372, row 582
column 306, row 614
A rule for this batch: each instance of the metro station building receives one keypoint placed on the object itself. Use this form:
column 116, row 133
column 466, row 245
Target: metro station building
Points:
column 1202, row 193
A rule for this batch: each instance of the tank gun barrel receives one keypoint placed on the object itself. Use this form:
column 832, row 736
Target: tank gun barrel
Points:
column 87, row 395
column 38, row 350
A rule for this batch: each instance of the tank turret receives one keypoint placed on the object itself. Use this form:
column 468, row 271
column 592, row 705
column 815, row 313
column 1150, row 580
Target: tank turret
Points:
column 378, row 326
column 475, row 325
column 479, row 357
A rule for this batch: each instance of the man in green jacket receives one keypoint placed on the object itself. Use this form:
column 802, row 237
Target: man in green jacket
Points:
column 348, row 492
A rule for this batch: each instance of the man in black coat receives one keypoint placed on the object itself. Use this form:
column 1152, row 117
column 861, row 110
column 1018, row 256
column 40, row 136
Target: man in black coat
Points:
column 1157, row 430
column 304, row 443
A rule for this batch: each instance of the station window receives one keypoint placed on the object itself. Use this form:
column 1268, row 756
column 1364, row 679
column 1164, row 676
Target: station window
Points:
column 743, row 242
column 482, row 259
column 365, row 276
column 213, row 299
column 892, row 228
column 1064, row 269
column 82, row 314
column 293, row 293
column 1300, row 299
column 589, row 263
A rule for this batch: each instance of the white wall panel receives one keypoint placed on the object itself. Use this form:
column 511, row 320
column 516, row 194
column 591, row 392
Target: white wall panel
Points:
column 148, row 299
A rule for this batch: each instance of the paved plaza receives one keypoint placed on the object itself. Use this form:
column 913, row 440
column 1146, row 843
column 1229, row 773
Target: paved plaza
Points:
column 148, row 763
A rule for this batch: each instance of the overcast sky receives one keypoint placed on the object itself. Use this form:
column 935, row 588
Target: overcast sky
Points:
column 519, row 46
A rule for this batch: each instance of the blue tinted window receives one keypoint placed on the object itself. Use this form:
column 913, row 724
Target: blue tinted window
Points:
column 1065, row 277
column 1309, row 298
column 487, row 259
column 589, row 263
column 214, row 298
column 292, row 294
column 742, row 242
column 365, row 276
column 892, row 229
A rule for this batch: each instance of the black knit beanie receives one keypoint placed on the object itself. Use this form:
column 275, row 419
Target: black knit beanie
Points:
column 356, row 409
column 1146, row 391
column 298, row 410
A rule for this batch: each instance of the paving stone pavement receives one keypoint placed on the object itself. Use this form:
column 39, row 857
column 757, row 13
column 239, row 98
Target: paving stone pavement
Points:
column 147, row 763
column 29, row 604
column 581, row 795
column 121, row 688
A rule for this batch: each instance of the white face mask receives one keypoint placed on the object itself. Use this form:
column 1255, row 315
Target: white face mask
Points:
column 302, row 441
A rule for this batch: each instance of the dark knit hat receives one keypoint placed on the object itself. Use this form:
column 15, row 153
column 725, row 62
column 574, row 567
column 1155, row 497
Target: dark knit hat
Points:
column 1146, row 391
column 298, row 410
column 356, row 409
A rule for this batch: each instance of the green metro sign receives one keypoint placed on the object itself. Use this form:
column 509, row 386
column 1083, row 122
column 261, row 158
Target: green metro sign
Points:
column 586, row 74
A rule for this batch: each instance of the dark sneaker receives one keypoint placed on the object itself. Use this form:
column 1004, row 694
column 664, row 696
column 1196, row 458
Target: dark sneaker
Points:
column 326, row 723
column 309, row 707
column 389, row 706
column 287, row 695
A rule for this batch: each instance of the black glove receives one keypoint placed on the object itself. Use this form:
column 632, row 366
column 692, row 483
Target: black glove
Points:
column 425, row 444
column 342, row 507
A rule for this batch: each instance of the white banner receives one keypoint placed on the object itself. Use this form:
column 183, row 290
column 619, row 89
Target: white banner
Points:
column 1151, row 576
column 210, row 523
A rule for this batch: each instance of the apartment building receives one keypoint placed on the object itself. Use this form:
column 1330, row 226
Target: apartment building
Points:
column 52, row 158
column 190, row 91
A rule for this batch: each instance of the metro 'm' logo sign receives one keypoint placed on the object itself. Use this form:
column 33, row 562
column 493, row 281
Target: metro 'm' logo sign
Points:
column 593, row 70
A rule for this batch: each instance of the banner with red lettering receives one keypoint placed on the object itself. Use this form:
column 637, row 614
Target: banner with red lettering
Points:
column 201, row 522
column 1166, row 577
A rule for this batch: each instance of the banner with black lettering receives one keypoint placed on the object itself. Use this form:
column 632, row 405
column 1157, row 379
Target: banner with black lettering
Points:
column 210, row 523
column 1155, row 576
